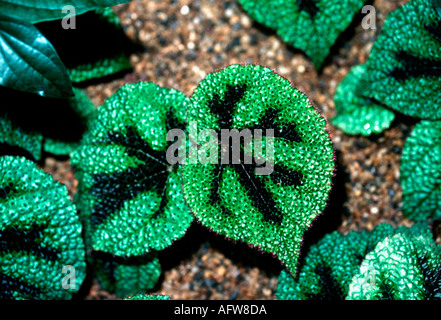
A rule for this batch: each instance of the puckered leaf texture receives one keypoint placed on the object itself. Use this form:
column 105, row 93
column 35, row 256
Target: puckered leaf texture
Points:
column 310, row 25
column 421, row 172
column 399, row 268
column 127, row 276
column 129, row 196
column 268, row 210
column 404, row 67
column 330, row 265
column 40, row 235
column 357, row 114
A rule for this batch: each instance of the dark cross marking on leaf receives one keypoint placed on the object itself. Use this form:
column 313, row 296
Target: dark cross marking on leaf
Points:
column 14, row 239
column 255, row 187
column 286, row 131
column 331, row 289
column 113, row 190
column 414, row 66
column 9, row 285
column 309, row 6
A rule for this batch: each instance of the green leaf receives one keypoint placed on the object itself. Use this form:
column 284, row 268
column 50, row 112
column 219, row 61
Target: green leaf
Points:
column 310, row 25
column 133, row 279
column 40, row 235
column 28, row 62
column 37, row 11
column 127, row 276
column 404, row 67
column 326, row 274
column 130, row 197
column 421, row 172
column 357, row 114
column 270, row 210
column 399, row 268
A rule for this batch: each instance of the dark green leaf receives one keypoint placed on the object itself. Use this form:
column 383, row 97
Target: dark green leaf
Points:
column 421, row 172
column 404, row 67
column 310, row 25
column 43, row 10
column 28, row 62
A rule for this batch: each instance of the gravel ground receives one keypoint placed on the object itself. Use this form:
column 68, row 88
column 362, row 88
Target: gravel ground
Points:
column 185, row 40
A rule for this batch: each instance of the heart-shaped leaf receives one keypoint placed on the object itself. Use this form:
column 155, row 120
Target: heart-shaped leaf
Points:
column 37, row 11
column 28, row 62
column 404, row 67
column 268, row 208
column 130, row 196
column 40, row 235
column 420, row 172
column 355, row 113
column 310, row 25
